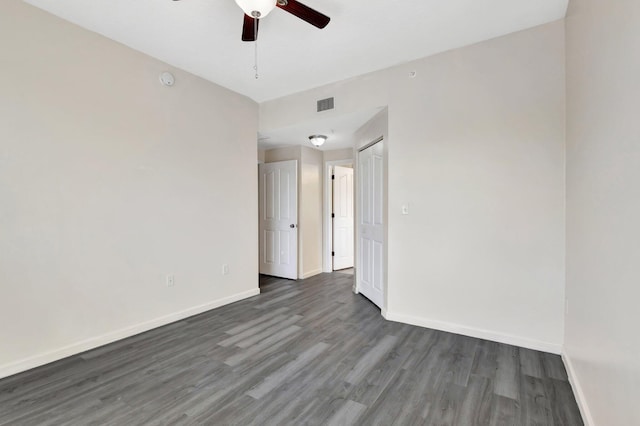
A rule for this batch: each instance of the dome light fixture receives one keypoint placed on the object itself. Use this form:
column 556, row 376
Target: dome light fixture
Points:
column 256, row 8
column 317, row 140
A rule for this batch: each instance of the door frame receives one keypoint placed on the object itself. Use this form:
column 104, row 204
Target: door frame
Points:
column 327, row 229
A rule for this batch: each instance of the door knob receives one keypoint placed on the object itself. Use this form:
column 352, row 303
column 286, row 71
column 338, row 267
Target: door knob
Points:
column 292, row 226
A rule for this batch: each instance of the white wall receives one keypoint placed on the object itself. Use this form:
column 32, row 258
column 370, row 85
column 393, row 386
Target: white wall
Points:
column 338, row 154
column 476, row 147
column 261, row 154
column 311, row 211
column 110, row 181
column 602, row 346
column 283, row 154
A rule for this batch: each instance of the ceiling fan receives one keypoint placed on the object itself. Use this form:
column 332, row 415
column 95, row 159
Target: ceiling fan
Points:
column 254, row 10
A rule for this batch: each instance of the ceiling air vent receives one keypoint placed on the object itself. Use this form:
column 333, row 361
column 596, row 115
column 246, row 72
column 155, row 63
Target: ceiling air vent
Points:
column 325, row 104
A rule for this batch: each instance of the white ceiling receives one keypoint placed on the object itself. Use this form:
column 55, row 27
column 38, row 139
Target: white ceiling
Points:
column 339, row 130
column 203, row 36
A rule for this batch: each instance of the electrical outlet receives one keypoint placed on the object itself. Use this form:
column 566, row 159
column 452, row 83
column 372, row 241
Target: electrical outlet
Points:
column 171, row 280
column 225, row 269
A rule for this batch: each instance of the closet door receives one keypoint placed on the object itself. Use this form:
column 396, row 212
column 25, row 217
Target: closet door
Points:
column 371, row 224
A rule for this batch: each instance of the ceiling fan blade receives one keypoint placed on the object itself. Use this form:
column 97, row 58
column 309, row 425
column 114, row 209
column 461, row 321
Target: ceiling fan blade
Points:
column 303, row 12
column 250, row 28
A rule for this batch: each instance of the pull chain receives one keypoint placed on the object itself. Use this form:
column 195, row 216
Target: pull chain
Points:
column 255, row 31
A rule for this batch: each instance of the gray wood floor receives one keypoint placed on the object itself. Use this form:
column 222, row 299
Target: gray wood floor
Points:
column 306, row 352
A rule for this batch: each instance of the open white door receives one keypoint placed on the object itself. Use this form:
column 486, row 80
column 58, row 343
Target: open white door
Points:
column 370, row 275
column 342, row 218
column 279, row 219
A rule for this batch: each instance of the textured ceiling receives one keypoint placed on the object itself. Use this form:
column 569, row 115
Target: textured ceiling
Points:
column 203, row 36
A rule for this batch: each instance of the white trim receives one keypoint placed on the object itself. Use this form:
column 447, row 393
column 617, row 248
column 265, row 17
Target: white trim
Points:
column 327, row 230
column 311, row 273
column 577, row 390
column 94, row 342
column 509, row 339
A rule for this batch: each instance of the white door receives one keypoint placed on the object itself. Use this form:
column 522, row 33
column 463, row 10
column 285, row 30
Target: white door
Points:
column 371, row 224
column 342, row 218
column 279, row 219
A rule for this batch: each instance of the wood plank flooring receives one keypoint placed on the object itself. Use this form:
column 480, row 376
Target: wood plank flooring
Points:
column 301, row 353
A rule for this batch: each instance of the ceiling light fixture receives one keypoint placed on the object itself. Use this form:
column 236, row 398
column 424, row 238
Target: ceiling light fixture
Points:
column 317, row 140
column 256, row 8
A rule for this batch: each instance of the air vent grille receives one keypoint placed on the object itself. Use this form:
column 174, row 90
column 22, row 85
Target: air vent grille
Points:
column 325, row 104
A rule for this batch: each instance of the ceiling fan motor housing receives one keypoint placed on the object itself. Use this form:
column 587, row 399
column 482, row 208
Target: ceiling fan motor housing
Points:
column 256, row 8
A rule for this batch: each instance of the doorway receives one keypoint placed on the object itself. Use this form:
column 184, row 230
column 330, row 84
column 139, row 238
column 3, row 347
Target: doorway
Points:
column 339, row 208
column 342, row 216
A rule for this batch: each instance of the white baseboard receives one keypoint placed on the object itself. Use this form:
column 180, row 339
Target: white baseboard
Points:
column 475, row 332
column 94, row 342
column 577, row 391
column 311, row 273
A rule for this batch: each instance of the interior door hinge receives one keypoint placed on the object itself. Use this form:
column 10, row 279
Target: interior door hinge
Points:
column 333, row 253
column 333, row 215
column 333, row 177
